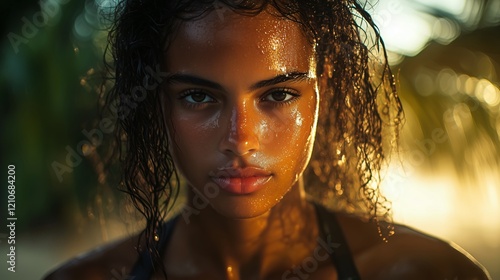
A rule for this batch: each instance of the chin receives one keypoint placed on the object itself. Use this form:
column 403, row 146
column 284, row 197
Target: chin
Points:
column 243, row 207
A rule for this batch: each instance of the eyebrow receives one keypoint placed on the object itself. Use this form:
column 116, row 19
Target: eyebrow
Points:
column 195, row 80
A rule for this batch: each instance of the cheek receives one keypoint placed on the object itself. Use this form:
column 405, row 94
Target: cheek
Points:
column 287, row 137
column 192, row 138
column 188, row 128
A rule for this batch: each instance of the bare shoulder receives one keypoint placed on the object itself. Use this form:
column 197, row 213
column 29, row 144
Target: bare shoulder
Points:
column 113, row 260
column 408, row 254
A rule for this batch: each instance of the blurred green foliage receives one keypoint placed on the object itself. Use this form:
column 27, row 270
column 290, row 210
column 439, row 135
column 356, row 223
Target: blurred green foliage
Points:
column 47, row 98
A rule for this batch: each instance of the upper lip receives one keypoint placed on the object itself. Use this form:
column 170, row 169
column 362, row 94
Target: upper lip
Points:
column 249, row 171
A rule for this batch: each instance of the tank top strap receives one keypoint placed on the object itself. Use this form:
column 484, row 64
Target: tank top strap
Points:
column 329, row 230
column 341, row 255
column 144, row 268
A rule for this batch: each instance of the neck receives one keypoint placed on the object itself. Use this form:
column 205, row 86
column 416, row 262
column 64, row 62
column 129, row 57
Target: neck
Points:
column 254, row 245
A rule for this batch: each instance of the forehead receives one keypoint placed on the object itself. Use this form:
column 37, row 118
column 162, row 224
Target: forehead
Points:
column 220, row 41
column 225, row 25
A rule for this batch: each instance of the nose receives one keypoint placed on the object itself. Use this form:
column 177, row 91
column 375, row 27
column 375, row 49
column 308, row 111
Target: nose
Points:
column 240, row 137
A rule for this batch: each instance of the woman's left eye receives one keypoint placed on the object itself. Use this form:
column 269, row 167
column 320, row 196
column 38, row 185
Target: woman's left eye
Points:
column 281, row 95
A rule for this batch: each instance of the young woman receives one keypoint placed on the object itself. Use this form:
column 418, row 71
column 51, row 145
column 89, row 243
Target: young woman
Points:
column 273, row 113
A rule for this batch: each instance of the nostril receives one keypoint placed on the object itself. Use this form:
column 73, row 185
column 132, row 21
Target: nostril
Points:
column 240, row 137
column 241, row 145
column 240, row 142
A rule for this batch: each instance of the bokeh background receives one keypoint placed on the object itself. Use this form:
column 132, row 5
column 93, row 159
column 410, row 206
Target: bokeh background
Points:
column 445, row 54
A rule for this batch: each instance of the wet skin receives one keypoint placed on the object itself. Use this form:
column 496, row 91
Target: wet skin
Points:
column 242, row 94
column 242, row 100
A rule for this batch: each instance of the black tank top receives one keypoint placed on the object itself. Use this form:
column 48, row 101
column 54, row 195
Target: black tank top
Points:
column 329, row 230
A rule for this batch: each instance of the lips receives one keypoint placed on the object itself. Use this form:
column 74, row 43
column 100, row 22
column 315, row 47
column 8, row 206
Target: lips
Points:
column 241, row 180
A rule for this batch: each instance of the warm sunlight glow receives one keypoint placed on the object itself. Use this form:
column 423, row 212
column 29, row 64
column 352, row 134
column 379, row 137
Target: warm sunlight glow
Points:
column 408, row 26
column 464, row 211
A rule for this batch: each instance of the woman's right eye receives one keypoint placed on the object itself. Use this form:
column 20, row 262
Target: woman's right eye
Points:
column 196, row 97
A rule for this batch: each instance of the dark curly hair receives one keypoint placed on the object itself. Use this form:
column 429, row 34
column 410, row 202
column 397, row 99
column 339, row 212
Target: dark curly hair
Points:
column 358, row 102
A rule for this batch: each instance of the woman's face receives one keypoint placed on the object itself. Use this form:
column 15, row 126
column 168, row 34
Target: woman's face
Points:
column 241, row 104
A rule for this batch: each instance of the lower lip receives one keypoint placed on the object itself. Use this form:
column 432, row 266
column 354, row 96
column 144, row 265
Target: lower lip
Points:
column 241, row 185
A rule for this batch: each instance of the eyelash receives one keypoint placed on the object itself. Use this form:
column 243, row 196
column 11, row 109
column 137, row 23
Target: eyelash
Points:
column 295, row 95
column 195, row 105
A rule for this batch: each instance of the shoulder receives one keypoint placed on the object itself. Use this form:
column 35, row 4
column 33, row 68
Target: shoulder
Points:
column 408, row 254
column 113, row 260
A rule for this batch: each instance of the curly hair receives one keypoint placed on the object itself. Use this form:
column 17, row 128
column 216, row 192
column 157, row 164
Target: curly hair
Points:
column 358, row 102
